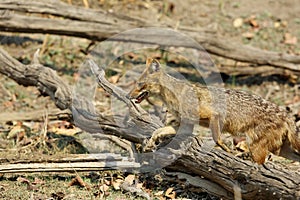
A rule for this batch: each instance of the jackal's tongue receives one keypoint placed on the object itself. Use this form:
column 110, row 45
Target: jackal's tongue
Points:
column 141, row 97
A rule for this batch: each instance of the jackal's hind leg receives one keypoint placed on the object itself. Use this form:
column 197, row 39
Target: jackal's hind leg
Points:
column 221, row 144
column 216, row 132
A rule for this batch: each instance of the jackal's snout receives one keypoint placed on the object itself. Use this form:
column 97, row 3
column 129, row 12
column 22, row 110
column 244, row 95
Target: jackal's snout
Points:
column 138, row 95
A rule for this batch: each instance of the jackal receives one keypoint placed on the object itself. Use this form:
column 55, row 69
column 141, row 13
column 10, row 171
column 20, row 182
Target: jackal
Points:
column 267, row 127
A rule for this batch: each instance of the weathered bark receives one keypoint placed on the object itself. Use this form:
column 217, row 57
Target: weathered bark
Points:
column 270, row 181
column 100, row 25
column 221, row 170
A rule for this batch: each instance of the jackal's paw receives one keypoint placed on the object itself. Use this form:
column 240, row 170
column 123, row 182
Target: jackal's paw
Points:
column 224, row 146
column 226, row 149
column 244, row 155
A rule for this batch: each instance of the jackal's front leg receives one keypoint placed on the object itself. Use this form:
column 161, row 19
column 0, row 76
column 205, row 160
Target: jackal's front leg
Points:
column 215, row 128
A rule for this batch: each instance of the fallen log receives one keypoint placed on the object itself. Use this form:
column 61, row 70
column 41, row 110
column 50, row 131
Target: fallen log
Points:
column 36, row 115
column 254, row 181
column 81, row 162
column 100, row 25
column 215, row 166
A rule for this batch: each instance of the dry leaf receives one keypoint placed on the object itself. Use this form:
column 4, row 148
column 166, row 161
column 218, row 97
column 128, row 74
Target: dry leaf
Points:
column 27, row 182
column 103, row 188
column 170, row 193
column 103, row 191
column 8, row 104
column 132, row 55
column 293, row 78
column 63, row 128
column 129, row 179
column 238, row 22
column 23, row 180
column 277, row 24
column 64, row 131
column 116, row 184
column 78, row 181
column 114, row 79
column 253, row 23
column 3, row 187
column 284, row 23
column 16, row 132
column 38, row 181
column 159, row 193
column 248, row 35
column 139, row 185
column 289, row 39
column 76, row 76
column 107, row 182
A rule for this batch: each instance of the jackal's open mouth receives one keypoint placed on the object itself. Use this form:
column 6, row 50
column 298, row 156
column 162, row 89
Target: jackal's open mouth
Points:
column 141, row 97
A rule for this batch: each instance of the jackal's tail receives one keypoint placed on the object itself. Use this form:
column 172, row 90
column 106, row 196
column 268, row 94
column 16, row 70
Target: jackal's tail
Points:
column 293, row 136
column 291, row 146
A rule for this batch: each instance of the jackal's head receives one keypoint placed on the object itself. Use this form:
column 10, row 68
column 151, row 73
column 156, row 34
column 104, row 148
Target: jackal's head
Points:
column 148, row 83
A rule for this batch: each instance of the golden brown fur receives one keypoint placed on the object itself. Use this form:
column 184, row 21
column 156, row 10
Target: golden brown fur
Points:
column 267, row 127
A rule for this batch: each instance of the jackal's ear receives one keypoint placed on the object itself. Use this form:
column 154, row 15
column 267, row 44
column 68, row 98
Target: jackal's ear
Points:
column 153, row 64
